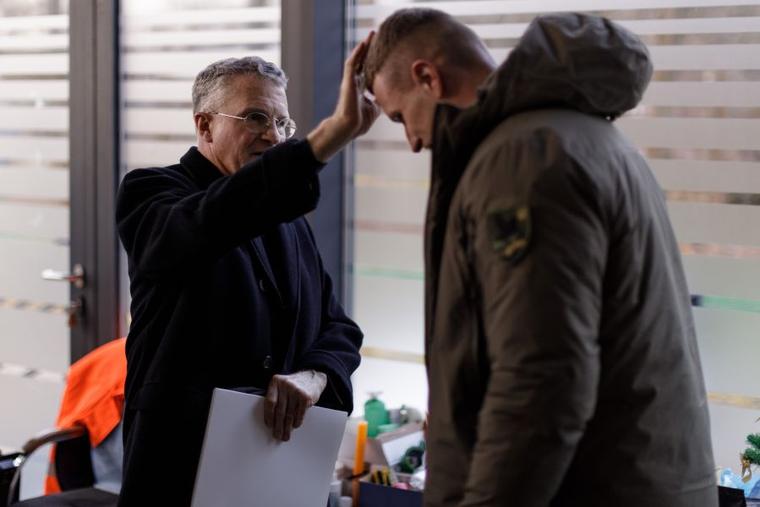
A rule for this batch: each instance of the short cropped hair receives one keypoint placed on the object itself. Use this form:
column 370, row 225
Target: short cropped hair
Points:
column 211, row 81
column 433, row 32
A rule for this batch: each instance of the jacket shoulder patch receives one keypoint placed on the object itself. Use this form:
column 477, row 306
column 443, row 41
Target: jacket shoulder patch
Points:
column 509, row 232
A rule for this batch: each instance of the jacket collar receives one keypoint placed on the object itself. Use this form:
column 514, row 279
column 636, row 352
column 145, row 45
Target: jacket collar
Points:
column 200, row 168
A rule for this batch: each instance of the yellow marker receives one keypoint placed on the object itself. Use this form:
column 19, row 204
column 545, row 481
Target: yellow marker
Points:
column 361, row 442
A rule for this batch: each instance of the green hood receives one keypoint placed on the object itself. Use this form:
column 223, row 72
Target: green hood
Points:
column 583, row 62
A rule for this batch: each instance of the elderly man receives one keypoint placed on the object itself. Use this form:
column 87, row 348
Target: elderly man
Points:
column 560, row 345
column 227, row 284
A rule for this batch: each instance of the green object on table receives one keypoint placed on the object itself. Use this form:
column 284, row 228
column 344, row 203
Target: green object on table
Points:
column 385, row 428
column 375, row 414
column 412, row 459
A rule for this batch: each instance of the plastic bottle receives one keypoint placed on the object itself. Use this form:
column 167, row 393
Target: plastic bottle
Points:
column 375, row 414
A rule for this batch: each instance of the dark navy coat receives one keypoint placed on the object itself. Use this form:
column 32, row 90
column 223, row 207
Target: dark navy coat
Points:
column 207, row 308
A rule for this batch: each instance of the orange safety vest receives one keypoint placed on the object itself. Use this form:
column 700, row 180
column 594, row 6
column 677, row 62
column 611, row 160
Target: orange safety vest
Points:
column 93, row 397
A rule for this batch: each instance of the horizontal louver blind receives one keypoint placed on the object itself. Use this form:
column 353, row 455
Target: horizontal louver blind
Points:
column 34, row 216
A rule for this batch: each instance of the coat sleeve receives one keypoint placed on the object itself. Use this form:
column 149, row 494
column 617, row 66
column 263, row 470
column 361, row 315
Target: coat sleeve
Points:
column 170, row 228
column 335, row 351
column 541, row 317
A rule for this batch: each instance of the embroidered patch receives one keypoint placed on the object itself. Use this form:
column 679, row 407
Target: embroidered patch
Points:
column 509, row 232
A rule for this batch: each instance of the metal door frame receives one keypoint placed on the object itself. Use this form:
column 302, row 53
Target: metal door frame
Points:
column 94, row 168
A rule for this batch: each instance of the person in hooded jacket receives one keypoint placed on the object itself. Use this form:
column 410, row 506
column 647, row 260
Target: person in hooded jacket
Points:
column 562, row 362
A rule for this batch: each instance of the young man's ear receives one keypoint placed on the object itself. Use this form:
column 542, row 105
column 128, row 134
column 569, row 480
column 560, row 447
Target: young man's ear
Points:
column 427, row 75
column 203, row 126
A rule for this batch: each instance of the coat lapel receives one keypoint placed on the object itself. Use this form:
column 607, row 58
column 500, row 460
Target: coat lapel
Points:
column 257, row 245
column 292, row 251
column 289, row 296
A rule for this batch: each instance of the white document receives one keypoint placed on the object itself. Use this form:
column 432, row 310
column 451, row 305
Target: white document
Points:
column 242, row 465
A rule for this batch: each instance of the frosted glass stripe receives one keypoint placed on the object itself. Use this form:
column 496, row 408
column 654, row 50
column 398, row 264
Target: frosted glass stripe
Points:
column 7, row 303
column 728, row 56
column 393, row 163
column 729, row 346
column 21, row 267
column 143, row 90
column 698, row 57
column 34, row 201
column 745, row 199
column 724, row 57
column 18, row 23
column 40, row 402
column 36, row 90
column 702, row 154
column 201, row 38
column 34, row 65
column 134, row 19
column 715, row 223
column 725, row 277
column 726, row 303
column 159, row 121
column 380, row 300
column 50, row 348
column 695, row 26
column 711, row 76
column 32, row 182
column 390, row 273
column 692, row 26
column 494, row 7
column 46, row 118
column 184, row 64
column 729, row 427
column 676, row 175
column 385, row 226
column 403, row 205
column 152, row 153
column 700, row 133
column 734, row 400
column 711, row 301
column 380, row 182
column 709, row 94
column 720, row 112
column 388, row 250
column 53, row 42
column 367, row 143
column 50, row 222
column 716, row 250
column 392, row 355
column 34, row 149
column 30, row 238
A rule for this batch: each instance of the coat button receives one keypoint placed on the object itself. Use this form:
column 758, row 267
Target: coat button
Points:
column 262, row 286
column 267, row 363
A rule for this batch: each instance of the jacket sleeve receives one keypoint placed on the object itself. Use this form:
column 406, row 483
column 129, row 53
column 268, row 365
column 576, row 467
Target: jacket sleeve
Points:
column 541, row 316
column 169, row 227
column 335, row 352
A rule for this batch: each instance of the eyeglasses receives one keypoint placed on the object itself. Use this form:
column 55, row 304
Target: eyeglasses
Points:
column 258, row 123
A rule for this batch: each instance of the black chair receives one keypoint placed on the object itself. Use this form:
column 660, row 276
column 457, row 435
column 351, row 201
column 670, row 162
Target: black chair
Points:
column 74, row 471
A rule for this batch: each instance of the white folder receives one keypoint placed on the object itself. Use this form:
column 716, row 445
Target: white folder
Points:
column 242, row 465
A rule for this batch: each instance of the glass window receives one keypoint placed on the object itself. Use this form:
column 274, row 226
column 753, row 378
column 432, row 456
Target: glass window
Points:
column 698, row 125
column 34, row 220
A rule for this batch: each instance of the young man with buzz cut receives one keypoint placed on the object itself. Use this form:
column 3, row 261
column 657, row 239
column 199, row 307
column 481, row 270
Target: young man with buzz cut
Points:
column 562, row 362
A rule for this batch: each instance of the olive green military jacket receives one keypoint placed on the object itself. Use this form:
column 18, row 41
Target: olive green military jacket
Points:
column 560, row 344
